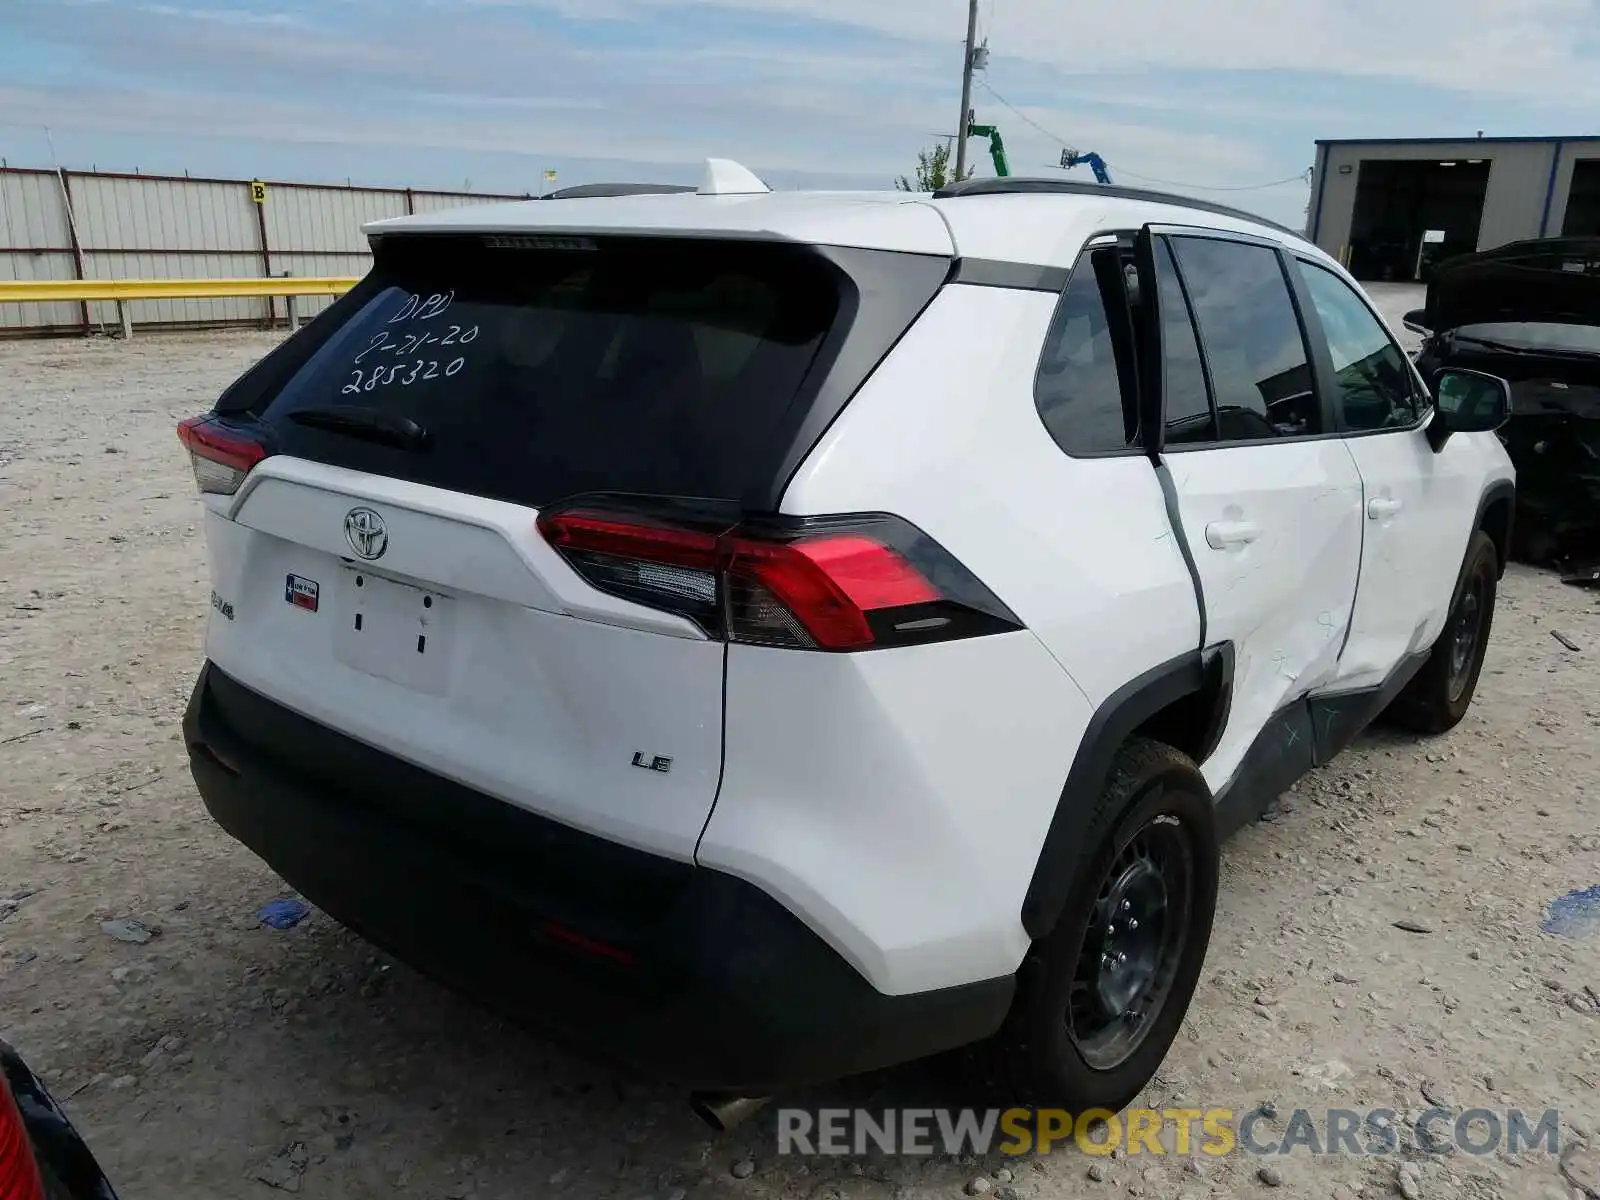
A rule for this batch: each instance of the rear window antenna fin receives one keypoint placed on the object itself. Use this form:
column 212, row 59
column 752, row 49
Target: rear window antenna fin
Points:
column 724, row 177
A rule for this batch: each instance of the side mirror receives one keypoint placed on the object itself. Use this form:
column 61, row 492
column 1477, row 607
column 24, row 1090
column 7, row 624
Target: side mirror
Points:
column 1467, row 402
column 1417, row 321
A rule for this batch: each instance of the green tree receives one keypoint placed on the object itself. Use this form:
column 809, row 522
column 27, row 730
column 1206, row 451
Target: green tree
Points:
column 933, row 171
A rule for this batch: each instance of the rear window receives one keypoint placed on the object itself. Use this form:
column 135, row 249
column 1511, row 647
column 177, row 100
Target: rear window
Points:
column 543, row 367
column 1084, row 388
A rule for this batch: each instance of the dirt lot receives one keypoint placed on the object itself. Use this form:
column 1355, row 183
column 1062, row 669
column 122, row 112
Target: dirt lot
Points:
column 193, row 1060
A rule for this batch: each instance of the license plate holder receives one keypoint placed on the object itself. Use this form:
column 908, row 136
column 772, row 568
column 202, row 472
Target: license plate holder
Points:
column 395, row 631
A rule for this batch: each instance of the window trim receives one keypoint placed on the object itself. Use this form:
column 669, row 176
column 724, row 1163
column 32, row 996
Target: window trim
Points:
column 1319, row 382
column 1012, row 276
column 1324, row 361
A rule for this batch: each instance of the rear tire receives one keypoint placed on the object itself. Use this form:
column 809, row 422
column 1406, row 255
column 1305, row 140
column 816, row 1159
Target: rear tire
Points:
column 1101, row 997
column 1439, row 695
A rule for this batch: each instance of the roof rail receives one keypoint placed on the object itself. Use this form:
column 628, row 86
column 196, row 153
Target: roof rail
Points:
column 584, row 191
column 1022, row 185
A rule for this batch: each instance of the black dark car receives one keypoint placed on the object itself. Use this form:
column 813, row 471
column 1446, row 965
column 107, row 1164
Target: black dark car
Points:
column 1529, row 312
column 41, row 1155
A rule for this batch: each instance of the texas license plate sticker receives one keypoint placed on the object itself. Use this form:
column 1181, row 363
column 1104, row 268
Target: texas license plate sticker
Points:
column 301, row 592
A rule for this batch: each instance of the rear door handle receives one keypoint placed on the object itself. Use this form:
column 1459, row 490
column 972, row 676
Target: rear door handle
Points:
column 1383, row 506
column 1220, row 535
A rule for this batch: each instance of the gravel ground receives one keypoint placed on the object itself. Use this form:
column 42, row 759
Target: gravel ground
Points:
column 222, row 1058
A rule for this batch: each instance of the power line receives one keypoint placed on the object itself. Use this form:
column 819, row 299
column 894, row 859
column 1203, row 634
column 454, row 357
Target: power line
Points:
column 1212, row 187
column 1121, row 170
column 984, row 84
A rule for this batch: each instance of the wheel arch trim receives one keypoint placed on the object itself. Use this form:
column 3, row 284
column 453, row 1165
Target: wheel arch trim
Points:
column 1207, row 673
column 1500, row 490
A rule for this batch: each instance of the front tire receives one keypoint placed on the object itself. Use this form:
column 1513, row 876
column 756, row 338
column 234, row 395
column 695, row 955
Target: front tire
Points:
column 1101, row 997
column 1441, row 692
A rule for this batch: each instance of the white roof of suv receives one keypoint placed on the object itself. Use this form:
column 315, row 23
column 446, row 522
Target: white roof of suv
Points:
column 874, row 220
column 1019, row 220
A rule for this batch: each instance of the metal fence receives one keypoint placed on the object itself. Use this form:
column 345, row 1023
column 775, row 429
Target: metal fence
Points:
column 104, row 225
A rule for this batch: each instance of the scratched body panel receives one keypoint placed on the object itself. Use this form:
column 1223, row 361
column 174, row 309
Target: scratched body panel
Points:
column 1284, row 597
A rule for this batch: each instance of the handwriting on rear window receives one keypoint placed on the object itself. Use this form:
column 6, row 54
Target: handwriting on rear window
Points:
column 405, row 374
column 414, row 353
column 423, row 308
column 400, row 345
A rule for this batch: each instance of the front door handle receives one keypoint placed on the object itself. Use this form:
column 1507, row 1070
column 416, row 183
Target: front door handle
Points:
column 1222, row 535
column 1383, row 506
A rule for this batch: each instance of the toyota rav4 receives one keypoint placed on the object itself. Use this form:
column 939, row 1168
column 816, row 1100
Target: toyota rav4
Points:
column 767, row 636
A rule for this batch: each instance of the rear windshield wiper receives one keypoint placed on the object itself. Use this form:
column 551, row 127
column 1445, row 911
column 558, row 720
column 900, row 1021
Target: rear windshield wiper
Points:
column 368, row 424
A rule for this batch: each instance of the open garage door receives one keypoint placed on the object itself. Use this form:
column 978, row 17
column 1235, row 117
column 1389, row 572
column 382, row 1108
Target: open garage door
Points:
column 1412, row 213
column 1583, row 202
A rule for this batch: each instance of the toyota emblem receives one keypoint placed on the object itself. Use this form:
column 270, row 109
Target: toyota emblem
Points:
column 365, row 531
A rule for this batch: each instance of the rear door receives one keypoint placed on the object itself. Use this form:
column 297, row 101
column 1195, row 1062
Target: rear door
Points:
column 380, row 571
column 1270, row 508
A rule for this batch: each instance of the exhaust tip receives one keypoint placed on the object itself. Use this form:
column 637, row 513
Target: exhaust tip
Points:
column 724, row 1112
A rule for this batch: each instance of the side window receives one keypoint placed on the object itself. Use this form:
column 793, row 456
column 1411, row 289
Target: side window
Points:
column 1375, row 389
column 1085, row 386
column 1259, row 367
column 1183, row 388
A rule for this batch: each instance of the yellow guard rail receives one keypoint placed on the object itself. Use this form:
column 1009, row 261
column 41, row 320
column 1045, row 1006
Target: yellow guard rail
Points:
column 49, row 290
column 46, row 291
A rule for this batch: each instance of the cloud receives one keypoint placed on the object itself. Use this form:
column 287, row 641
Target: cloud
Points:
column 1510, row 47
column 269, row 119
column 553, row 135
column 1229, row 93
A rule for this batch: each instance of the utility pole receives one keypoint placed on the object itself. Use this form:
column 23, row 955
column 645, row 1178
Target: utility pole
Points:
column 966, row 91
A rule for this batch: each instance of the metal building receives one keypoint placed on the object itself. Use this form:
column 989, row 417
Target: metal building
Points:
column 58, row 224
column 1389, row 209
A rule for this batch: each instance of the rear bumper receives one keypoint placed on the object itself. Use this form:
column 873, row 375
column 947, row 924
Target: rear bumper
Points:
column 681, row 972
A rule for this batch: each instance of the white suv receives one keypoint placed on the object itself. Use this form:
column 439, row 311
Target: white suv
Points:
column 767, row 636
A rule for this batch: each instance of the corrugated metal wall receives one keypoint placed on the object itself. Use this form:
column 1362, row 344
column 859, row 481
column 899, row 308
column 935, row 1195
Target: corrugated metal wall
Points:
column 163, row 227
column 33, row 230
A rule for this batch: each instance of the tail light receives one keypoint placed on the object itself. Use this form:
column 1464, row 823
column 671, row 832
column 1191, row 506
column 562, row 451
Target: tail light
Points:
column 19, row 1174
column 221, row 457
column 813, row 583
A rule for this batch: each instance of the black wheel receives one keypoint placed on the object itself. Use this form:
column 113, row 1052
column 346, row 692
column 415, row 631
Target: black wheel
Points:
column 1441, row 692
column 1099, row 999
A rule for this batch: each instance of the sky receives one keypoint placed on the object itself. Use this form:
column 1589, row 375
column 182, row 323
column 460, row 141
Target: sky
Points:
column 1212, row 98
